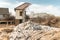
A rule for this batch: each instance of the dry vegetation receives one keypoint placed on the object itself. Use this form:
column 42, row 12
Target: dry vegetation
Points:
column 46, row 19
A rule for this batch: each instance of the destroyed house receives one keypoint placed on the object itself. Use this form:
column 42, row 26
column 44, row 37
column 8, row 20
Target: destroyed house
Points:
column 21, row 13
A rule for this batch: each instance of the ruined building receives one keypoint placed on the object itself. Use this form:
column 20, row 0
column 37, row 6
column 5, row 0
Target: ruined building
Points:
column 21, row 13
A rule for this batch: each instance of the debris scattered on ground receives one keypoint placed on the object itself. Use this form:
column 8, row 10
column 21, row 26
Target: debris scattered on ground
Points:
column 34, row 31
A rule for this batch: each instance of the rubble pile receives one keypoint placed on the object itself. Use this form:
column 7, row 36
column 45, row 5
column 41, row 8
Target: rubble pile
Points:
column 34, row 31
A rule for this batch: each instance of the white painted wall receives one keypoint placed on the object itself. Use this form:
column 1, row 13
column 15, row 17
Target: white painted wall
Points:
column 18, row 14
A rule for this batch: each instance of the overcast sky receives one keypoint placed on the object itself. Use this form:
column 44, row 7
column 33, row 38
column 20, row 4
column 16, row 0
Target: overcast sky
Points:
column 38, row 6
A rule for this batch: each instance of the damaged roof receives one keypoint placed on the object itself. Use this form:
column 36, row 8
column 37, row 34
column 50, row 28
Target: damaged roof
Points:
column 23, row 6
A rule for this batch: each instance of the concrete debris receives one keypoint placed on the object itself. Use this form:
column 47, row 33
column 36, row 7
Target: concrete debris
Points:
column 34, row 31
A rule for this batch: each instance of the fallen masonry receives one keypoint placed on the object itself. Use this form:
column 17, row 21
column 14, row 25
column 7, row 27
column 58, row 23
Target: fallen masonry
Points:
column 33, row 31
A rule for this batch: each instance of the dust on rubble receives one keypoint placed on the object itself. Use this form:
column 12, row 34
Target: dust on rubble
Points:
column 33, row 31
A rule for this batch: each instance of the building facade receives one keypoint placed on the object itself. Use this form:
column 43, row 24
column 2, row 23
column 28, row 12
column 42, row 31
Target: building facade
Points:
column 5, row 16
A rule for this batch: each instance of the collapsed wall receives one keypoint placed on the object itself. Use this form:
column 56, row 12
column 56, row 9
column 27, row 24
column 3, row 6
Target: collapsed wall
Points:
column 33, row 31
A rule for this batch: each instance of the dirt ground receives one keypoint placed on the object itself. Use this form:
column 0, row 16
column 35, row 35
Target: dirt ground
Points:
column 5, row 31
